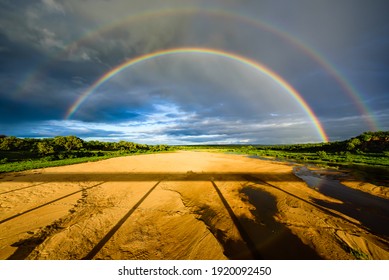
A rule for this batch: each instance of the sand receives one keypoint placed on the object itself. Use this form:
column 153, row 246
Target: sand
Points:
column 186, row 205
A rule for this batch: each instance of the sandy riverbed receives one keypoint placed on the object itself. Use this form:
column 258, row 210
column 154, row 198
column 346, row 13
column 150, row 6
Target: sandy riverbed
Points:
column 186, row 205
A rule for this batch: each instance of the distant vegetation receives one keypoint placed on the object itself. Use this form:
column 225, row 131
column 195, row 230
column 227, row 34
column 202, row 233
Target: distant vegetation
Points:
column 17, row 154
column 369, row 148
column 366, row 156
column 364, row 152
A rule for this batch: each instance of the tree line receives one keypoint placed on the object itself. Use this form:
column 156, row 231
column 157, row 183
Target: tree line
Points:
column 367, row 142
column 61, row 147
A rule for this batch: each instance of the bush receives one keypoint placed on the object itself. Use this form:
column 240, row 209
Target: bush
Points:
column 322, row 154
column 49, row 158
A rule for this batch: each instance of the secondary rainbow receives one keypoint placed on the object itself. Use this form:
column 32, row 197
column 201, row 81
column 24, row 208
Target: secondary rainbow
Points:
column 251, row 63
column 313, row 53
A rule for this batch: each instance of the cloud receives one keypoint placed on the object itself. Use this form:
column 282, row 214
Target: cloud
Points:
column 52, row 51
column 53, row 6
column 174, row 131
column 49, row 40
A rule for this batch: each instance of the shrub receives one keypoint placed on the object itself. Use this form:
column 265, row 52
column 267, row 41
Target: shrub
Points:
column 322, row 154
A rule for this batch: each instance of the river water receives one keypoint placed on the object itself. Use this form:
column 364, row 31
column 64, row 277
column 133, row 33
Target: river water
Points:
column 371, row 211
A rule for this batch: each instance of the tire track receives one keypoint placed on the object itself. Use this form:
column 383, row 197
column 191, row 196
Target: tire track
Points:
column 47, row 203
column 115, row 228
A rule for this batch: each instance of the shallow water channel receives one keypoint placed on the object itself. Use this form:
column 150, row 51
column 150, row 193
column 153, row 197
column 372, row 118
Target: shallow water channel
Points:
column 371, row 211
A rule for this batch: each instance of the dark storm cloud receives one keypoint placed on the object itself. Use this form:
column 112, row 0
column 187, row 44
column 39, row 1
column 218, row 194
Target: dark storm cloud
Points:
column 50, row 54
column 329, row 25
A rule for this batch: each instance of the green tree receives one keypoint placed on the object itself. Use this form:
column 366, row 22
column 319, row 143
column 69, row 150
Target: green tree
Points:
column 73, row 143
column 10, row 143
column 353, row 144
column 45, row 148
column 322, row 154
column 366, row 136
column 68, row 143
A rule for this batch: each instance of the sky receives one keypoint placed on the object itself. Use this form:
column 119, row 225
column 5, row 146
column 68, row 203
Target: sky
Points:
column 253, row 71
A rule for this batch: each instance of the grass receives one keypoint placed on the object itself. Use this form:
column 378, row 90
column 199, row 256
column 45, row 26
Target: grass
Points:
column 356, row 253
column 359, row 255
column 34, row 164
column 323, row 158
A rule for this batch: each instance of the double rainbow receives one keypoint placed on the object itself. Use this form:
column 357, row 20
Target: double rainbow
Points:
column 248, row 62
column 308, row 50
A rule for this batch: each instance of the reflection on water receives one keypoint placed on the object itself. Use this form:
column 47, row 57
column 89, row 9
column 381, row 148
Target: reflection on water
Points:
column 374, row 174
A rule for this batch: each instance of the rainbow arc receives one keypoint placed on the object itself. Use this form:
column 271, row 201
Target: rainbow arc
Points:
column 248, row 62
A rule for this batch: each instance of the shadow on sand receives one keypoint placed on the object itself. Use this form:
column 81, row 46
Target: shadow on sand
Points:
column 146, row 176
column 272, row 239
column 264, row 237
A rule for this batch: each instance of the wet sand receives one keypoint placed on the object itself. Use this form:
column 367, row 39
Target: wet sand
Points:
column 189, row 205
